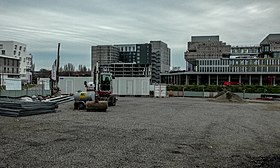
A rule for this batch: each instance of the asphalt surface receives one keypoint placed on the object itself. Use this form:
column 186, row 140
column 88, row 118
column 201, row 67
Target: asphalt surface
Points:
column 146, row 132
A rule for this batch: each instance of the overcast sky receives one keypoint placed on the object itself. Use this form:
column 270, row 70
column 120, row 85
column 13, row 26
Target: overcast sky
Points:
column 77, row 25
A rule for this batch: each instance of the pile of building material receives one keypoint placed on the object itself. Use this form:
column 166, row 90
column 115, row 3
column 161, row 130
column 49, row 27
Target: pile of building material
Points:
column 228, row 96
column 18, row 107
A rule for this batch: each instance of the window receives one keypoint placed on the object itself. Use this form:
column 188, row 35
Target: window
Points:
column 13, row 63
column 24, row 49
column 3, row 52
column 19, row 53
column 1, row 46
column 4, row 69
column 15, row 52
column 15, row 47
column 20, row 47
column 13, row 70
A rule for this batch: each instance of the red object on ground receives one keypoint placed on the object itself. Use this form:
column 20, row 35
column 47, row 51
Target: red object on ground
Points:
column 231, row 83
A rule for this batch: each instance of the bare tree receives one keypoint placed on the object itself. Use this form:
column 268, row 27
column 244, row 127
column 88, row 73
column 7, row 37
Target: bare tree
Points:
column 69, row 68
column 82, row 68
column 61, row 69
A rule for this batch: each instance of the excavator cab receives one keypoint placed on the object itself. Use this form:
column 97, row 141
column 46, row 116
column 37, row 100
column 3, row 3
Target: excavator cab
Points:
column 106, row 82
column 105, row 89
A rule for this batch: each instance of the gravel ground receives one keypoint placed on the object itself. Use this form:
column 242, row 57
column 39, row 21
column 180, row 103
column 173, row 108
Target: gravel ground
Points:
column 146, row 132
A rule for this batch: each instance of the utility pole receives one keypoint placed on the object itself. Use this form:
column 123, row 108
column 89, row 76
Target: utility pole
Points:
column 57, row 65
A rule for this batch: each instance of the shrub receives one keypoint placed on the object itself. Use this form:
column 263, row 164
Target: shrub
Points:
column 233, row 88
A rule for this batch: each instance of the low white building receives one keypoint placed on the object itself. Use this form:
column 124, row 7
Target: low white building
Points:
column 19, row 51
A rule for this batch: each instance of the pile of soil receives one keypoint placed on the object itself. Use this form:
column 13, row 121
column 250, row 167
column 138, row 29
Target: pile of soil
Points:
column 227, row 96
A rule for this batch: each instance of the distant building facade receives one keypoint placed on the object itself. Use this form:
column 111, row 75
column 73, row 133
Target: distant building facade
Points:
column 135, row 53
column 270, row 46
column 150, row 58
column 252, row 65
column 19, row 51
column 205, row 47
column 9, row 68
column 104, row 54
column 245, row 51
column 160, row 60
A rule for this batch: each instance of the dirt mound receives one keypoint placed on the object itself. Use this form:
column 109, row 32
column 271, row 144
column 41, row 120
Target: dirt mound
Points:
column 227, row 96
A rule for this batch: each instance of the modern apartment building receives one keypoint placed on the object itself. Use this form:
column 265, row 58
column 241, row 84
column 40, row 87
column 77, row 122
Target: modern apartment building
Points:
column 19, row 51
column 251, row 65
column 153, row 58
column 160, row 60
column 104, row 54
column 135, row 53
column 9, row 68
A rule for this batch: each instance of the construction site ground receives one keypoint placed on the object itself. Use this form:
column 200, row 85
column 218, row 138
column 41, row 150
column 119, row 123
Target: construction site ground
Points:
column 146, row 132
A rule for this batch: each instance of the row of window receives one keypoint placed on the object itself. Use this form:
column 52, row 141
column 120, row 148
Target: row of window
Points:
column 127, row 49
column 245, row 50
column 239, row 69
column 7, row 70
column 15, row 53
column 11, row 62
column 20, row 47
column 3, row 52
column 132, row 49
column 249, row 62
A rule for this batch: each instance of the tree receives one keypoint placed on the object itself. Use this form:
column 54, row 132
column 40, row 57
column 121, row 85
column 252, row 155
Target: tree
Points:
column 69, row 68
column 44, row 73
column 82, row 68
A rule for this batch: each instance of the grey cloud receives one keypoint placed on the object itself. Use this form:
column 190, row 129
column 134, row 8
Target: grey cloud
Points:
column 80, row 24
